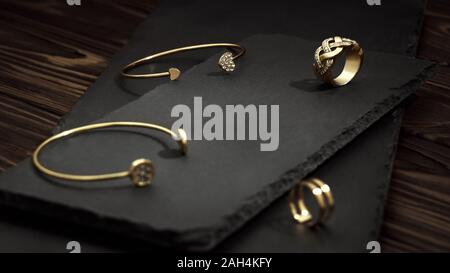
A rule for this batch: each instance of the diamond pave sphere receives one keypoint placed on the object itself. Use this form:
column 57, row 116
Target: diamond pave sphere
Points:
column 226, row 62
column 142, row 172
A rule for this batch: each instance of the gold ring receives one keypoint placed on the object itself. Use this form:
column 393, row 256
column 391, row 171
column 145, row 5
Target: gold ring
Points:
column 326, row 55
column 140, row 172
column 226, row 61
column 322, row 195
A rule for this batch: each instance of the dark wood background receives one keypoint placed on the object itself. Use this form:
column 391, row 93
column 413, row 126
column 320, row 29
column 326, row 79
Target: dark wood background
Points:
column 51, row 52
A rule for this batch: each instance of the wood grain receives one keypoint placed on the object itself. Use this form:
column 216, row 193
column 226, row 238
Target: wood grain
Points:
column 417, row 215
column 51, row 52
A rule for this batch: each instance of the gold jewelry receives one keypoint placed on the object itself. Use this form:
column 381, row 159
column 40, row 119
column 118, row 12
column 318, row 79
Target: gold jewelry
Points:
column 141, row 171
column 327, row 54
column 226, row 61
column 322, row 195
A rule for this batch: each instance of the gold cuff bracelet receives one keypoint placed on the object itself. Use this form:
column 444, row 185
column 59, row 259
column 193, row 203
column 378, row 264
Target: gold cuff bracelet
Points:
column 140, row 172
column 226, row 61
column 322, row 196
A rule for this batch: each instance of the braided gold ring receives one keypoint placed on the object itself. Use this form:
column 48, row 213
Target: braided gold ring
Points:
column 326, row 55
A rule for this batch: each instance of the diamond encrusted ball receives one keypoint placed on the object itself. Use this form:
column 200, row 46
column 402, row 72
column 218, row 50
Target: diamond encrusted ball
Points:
column 226, row 62
column 142, row 172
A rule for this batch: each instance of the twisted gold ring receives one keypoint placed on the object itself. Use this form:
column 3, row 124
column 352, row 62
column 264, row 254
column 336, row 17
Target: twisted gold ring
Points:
column 326, row 55
column 226, row 61
column 140, row 172
column 322, row 195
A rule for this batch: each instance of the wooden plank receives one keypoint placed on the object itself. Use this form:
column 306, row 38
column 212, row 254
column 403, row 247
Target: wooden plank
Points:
column 417, row 215
column 50, row 53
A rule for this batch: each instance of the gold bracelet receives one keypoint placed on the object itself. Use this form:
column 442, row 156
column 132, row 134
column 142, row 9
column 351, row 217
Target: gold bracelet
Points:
column 322, row 195
column 226, row 61
column 326, row 55
column 140, row 172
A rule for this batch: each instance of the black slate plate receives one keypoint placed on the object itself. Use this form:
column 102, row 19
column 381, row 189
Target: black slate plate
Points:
column 199, row 200
column 273, row 230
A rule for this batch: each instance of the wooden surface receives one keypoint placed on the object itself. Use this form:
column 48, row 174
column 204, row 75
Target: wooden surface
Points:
column 417, row 215
column 51, row 52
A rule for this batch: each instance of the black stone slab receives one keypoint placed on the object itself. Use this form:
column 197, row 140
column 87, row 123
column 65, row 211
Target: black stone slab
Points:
column 391, row 27
column 273, row 230
column 199, row 200
column 358, row 175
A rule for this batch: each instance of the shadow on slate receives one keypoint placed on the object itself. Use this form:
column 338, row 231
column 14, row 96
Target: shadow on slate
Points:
column 198, row 200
